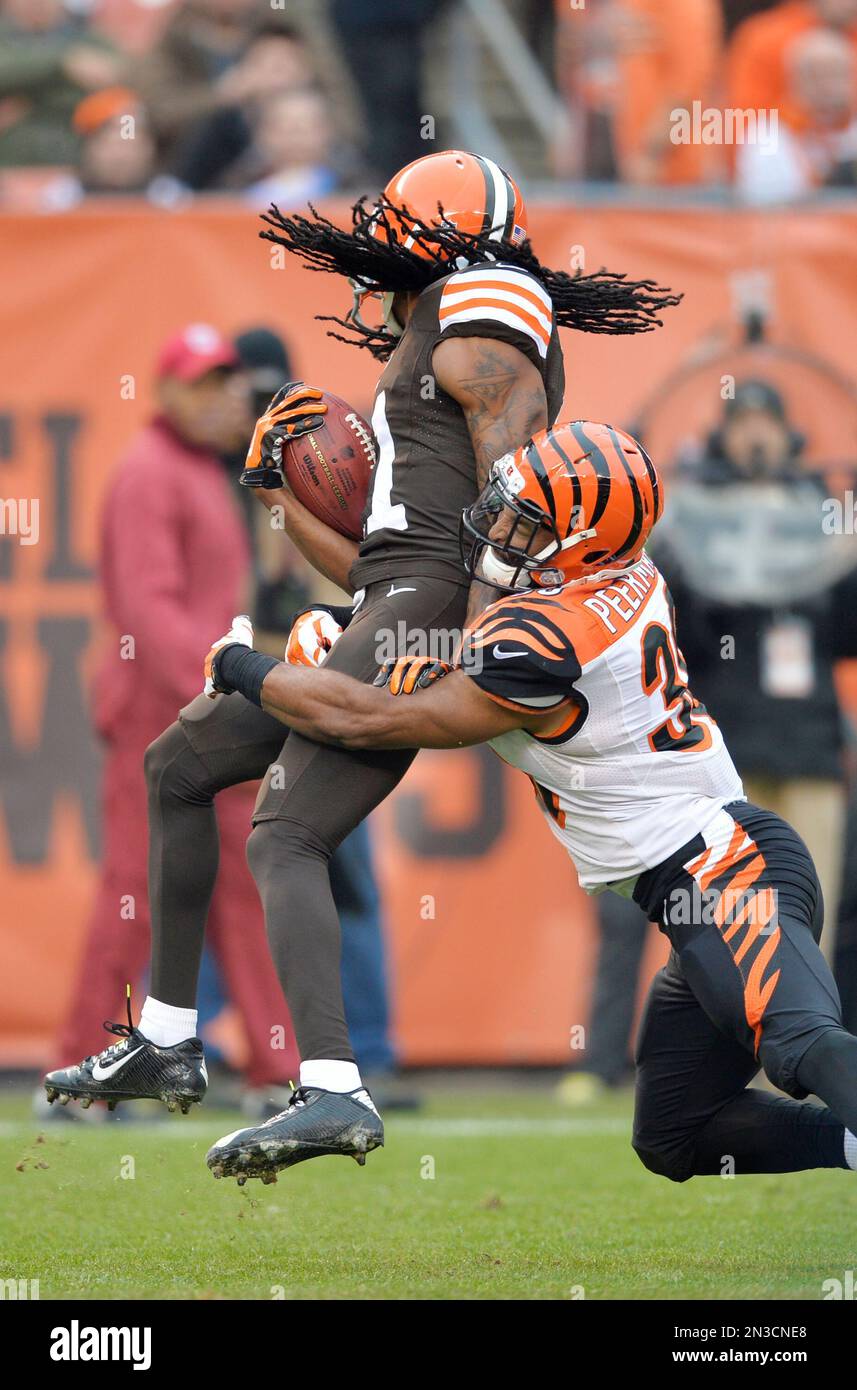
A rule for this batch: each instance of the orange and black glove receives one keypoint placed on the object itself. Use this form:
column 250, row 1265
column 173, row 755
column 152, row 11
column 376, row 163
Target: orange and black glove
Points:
column 405, row 674
column 295, row 409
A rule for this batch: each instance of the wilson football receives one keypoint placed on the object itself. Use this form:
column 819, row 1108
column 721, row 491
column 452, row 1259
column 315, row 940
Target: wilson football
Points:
column 328, row 469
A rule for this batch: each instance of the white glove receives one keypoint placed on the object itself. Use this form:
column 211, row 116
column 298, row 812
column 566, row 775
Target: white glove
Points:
column 240, row 631
column 311, row 638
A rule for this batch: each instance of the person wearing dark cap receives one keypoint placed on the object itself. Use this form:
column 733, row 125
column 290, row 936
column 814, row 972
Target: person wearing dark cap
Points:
column 754, row 441
column 174, row 566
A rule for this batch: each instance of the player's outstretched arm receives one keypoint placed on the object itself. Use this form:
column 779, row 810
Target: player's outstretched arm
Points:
column 331, row 707
column 334, row 708
column 503, row 398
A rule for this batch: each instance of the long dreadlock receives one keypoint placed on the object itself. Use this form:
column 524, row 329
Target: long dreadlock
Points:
column 604, row 302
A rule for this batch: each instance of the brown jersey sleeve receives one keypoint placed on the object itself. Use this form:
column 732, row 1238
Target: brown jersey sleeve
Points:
column 497, row 301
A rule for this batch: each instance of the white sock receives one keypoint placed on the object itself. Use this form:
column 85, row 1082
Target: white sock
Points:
column 164, row 1025
column 331, row 1076
column 850, row 1149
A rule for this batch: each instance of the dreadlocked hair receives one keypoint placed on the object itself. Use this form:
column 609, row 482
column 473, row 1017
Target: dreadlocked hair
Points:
column 604, row 302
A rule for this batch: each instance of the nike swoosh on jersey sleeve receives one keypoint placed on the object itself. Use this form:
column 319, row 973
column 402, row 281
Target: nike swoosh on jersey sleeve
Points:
column 521, row 656
column 507, row 297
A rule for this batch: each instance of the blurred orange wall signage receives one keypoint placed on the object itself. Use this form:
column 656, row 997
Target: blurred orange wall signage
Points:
column 492, row 942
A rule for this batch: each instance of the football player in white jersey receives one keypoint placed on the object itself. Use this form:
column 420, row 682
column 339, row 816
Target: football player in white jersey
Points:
column 576, row 678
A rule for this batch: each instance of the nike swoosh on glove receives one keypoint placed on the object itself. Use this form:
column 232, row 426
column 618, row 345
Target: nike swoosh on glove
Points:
column 241, row 632
column 295, row 409
column 311, row 638
column 405, row 674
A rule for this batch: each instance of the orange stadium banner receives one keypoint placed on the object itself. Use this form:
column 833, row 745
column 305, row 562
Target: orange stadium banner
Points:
column 492, row 942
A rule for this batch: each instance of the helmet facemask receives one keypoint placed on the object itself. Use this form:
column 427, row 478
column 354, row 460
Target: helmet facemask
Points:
column 362, row 298
column 512, row 561
column 532, row 553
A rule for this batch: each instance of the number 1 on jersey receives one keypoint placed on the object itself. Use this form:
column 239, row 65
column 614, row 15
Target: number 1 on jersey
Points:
column 386, row 515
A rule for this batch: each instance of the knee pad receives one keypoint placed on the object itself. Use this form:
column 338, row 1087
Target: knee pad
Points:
column 831, row 1054
column 257, row 851
column 786, row 1063
column 775, row 1067
column 668, row 1161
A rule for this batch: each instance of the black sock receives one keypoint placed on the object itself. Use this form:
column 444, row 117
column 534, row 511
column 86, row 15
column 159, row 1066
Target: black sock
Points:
column 291, row 866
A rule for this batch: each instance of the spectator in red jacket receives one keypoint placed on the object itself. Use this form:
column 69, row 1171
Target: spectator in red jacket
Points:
column 174, row 571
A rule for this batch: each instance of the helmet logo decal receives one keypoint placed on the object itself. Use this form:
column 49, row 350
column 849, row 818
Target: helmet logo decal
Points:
column 512, row 477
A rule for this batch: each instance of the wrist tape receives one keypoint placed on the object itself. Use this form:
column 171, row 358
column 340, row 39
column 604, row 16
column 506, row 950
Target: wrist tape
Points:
column 239, row 668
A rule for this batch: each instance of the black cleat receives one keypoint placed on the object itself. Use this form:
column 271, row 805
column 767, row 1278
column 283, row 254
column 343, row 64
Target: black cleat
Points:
column 314, row 1123
column 134, row 1069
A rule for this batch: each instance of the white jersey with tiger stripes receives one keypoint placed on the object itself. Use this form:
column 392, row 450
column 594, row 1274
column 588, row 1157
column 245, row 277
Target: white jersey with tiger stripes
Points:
column 648, row 768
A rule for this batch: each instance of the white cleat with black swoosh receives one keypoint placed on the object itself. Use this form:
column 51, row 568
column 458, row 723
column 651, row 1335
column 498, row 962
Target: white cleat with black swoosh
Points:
column 134, row 1069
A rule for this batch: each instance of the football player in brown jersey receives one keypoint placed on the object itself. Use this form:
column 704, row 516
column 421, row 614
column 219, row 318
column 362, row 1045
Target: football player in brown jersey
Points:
column 473, row 368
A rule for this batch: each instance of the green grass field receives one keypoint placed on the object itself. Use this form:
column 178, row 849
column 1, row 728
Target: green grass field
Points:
column 526, row 1202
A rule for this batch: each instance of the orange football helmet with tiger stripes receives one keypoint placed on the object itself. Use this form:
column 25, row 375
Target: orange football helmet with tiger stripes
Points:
column 574, row 501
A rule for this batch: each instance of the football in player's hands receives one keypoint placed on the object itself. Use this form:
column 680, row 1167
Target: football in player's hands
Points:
column 319, row 447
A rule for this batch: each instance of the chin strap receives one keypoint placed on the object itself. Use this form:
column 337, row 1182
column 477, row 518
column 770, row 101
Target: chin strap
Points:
column 391, row 323
column 511, row 576
column 496, row 572
column 388, row 317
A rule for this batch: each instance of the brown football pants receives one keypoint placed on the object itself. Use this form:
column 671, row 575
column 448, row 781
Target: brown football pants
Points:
column 312, row 795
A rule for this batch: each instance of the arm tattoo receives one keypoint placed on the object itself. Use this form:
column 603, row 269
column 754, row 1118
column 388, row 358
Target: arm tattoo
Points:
column 495, row 432
column 501, row 411
column 502, row 396
column 501, row 414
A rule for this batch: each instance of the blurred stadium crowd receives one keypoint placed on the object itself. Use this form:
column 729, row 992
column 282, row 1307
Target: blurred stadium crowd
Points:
column 270, row 99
